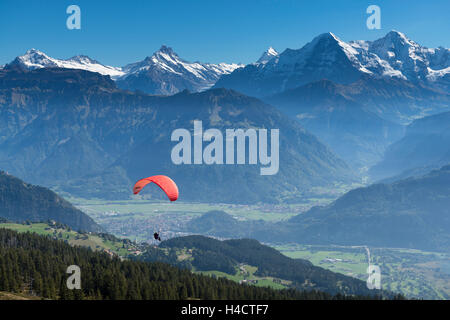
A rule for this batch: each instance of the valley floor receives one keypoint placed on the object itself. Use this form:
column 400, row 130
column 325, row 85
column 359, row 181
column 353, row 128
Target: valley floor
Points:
column 137, row 219
column 415, row 273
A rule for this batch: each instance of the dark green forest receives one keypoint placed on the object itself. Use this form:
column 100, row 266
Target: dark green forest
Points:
column 37, row 265
column 20, row 201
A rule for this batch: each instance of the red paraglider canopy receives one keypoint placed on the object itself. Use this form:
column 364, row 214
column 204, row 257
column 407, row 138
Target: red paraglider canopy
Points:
column 164, row 182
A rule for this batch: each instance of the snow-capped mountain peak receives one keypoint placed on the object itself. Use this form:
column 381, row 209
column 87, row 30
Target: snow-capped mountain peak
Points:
column 35, row 59
column 328, row 57
column 325, row 57
column 83, row 59
column 331, row 42
column 165, row 49
column 326, row 52
column 166, row 55
column 394, row 55
column 267, row 55
column 397, row 36
column 163, row 59
column 326, row 35
column 413, row 61
column 164, row 72
column 393, row 44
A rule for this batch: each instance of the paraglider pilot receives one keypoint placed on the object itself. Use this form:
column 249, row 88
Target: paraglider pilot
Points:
column 165, row 183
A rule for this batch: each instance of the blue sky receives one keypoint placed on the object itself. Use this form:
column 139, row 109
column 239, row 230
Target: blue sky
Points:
column 120, row 32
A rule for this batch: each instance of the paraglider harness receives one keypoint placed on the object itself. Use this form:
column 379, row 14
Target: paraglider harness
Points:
column 156, row 236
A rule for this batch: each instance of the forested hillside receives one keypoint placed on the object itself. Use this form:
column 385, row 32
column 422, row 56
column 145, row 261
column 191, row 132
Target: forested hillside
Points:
column 29, row 262
column 211, row 254
column 20, row 201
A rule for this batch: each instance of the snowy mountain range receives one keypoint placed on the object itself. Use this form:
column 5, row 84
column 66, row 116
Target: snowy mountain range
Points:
column 162, row 73
column 328, row 57
column 35, row 59
column 166, row 73
column 405, row 59
column 325, row 57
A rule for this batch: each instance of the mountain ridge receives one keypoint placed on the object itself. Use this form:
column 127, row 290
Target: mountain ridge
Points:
column 328, row 57
column 350, row 128
column 77, row 129
column 269, row 261
column 162, row 73
column 425, row 144
column 409, row 213
column 20, row 202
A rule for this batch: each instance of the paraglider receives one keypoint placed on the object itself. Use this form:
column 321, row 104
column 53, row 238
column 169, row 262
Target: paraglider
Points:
column 165, row 183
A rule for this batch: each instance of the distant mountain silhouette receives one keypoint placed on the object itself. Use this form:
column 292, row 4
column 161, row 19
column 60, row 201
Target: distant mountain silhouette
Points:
column 409, row 213
column 328, row 57
column 21, row 202
column 425, row 145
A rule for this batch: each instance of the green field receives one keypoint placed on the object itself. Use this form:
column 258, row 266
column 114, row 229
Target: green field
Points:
column 316, row 196
column 145, row 208
column 246, row 274
column 415, row 273
column 139, row 207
